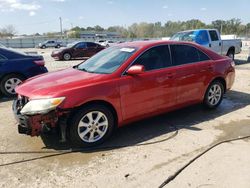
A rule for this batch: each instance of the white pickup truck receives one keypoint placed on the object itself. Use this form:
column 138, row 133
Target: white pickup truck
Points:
column 210, row 38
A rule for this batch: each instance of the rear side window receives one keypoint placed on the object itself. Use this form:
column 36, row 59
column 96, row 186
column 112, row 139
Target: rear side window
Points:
column 91, row 45
column 202, row 56
column 155, row 58
column 184, row 54
column 214, row 35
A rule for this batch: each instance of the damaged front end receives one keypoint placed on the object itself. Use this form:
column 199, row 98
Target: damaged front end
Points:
column 35, row 124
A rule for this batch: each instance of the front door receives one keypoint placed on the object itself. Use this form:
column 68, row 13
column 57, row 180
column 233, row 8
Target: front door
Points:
column 150, row 92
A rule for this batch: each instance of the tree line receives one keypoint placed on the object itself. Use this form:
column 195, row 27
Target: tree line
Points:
column 151, row 30
column 158, row 29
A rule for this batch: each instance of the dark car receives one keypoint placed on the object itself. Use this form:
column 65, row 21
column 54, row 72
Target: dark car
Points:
column 15, row 67
column 77, row 50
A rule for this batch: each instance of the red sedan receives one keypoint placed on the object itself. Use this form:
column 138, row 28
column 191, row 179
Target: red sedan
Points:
column 120, row 85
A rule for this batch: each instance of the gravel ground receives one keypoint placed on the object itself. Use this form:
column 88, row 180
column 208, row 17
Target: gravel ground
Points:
column 132, row 164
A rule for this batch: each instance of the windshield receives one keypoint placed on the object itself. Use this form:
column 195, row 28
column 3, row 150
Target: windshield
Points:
column 184, row 36
column 107, row 61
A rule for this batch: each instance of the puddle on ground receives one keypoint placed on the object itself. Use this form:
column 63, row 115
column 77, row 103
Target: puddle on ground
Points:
column 234, row 129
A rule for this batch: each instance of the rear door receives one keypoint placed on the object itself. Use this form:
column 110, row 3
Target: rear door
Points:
column 215, row 42
column 92, row 48
column 185, row 58
column 150, row 92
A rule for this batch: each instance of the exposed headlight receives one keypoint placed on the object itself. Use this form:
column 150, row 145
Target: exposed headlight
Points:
column 41, row 106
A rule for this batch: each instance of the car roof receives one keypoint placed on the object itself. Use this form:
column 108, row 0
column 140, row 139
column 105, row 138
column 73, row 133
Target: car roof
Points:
column 144, row 44
column 148, row 44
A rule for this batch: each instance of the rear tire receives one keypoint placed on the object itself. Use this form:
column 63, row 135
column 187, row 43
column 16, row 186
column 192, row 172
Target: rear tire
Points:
column 66, row 56
column 91, row 126
column 231, row 54
column 9, row 83
column 214, row 95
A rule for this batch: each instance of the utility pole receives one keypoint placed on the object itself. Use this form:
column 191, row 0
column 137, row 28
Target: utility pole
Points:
column 61, row 27
column 221, row 28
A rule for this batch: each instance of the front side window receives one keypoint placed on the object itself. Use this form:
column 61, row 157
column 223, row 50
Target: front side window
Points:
column 155, row 58
column 107, row 61
column 81, row 45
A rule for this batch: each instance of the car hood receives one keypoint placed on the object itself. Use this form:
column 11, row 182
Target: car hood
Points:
column 55, row 83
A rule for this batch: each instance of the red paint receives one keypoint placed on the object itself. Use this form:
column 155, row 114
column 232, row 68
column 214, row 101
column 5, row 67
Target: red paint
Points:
column 134, row 96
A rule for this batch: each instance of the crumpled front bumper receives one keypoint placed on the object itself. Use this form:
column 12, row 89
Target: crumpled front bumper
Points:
column 36, row 124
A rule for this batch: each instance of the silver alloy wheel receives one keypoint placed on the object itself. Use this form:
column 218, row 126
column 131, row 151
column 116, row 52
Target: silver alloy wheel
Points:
column 93, row 126
column 66, row 56
column 214, row 94
column 11, row 84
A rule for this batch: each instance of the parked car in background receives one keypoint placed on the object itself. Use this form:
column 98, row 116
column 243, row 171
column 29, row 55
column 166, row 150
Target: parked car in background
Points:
column 211, row 39
column 122, row 84
column 15, row 67
column 49, row 44
column 77, row 50
column 107, row 43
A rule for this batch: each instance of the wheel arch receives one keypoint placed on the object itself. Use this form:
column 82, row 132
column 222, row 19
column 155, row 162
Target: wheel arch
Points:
column 14, row 73
column 232, row 48
column 220, row 79
column 99, row 102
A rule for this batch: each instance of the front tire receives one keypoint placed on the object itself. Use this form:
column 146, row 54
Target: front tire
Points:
column 91, row 126
column 9, row 83
column 214, row 95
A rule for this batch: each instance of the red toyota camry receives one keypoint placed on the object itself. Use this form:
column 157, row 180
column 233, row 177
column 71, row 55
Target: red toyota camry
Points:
column 119, row 85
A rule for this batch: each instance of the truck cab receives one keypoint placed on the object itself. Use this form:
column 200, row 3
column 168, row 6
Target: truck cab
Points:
column 211, row 39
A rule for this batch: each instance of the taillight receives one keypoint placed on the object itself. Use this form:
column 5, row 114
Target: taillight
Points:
column 40, row 62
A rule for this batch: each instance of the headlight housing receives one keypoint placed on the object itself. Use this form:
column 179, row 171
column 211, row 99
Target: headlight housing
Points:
column 41, row 106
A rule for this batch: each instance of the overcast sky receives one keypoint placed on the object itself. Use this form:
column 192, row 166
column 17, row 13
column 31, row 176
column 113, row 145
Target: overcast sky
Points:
column 31, row 16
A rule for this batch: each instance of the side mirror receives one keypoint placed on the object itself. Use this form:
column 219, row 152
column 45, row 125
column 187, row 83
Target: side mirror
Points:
column 136, row 69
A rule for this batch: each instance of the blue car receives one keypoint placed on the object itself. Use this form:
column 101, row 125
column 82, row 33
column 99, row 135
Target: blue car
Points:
column 15, row 67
